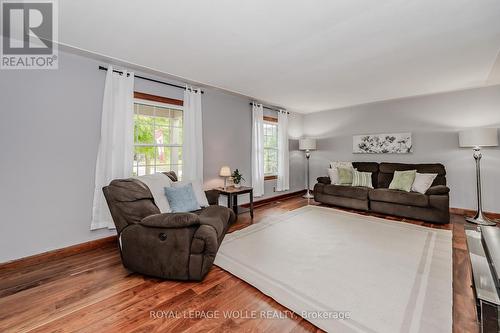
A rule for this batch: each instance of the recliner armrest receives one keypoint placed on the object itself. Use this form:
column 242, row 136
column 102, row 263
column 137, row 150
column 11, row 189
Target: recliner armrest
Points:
column 438, row 190
column 212, row 197
column 324, row 180
column 171, row 220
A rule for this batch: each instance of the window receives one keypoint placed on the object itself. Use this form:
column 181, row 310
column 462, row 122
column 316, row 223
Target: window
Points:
column 270, row 148
column 157, row 137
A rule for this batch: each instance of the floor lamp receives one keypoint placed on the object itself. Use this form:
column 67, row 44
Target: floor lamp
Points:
column 477, row 138
column 307, row 145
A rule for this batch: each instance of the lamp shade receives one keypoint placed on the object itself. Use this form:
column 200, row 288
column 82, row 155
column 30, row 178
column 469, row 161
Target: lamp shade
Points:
column 307, row 144
column 225, row 171
column 478, row 137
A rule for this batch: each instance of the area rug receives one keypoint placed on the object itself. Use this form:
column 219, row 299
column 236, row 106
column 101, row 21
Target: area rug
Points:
column 346, row 272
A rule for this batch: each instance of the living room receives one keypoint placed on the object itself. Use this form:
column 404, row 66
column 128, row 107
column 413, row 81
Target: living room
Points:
column 250, row 166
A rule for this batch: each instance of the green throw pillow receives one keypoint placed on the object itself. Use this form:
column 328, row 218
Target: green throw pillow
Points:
column 345, row 176
column 403, row 180
column 363, row 179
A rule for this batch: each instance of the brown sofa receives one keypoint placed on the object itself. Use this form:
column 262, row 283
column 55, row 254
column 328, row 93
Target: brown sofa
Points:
column 433, row 206
column 178, row 246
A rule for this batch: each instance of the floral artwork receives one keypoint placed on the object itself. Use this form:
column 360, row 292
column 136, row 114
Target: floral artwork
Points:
column 398, row 143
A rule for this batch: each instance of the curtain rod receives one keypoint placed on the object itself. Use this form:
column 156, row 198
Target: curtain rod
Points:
column 270, row 108
column 102, row 68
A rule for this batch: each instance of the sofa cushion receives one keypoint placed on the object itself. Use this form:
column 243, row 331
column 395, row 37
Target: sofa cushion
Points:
column 386, row 172
column 368, row 167
column 399, row 197
column 353, row 192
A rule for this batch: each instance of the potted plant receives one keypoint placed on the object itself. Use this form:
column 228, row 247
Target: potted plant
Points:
column 237, row 178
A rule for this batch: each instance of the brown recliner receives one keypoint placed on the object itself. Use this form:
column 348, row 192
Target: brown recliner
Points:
column 177, row 246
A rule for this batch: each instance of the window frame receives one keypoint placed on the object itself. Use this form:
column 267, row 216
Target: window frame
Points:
column 160, row 102
column 272, row 121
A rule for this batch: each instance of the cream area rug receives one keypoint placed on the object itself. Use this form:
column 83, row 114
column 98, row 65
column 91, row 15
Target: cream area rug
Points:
column 346, row 272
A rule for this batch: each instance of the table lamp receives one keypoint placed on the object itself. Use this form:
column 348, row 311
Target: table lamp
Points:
column 477, row 138
column 225, row 172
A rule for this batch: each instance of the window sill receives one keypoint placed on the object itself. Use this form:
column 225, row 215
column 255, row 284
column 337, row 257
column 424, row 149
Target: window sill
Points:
column 270, row 177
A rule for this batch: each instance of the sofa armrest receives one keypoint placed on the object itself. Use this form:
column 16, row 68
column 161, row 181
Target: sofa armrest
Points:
column 205, row 241
column 212, row 197
column 171, row 220
column 324, row 180
column 438, row 190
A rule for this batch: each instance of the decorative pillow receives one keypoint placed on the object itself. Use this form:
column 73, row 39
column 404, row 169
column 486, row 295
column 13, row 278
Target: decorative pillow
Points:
column 363, row 179
column 345, row 176
column 339, row 164
column 403, row 180
column 201, row 197
column 182, row 199
column 423, row 182
column 333, row 172
column 334, row 175
column 156, row 184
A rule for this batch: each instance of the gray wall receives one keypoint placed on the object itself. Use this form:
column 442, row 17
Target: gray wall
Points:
column 49, row 130
column 434, row 121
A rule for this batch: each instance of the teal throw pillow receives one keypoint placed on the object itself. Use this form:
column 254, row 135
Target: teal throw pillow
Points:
column 182, row 199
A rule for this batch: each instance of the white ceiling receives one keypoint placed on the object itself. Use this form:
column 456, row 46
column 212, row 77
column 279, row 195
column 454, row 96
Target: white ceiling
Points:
column 307, row 55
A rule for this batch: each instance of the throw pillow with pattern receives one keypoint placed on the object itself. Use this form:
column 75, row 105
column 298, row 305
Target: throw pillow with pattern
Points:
column 363, row 179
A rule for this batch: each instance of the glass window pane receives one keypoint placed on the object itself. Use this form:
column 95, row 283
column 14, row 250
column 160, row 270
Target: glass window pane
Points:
column 176, row 136
column 163, row 168
column 177, row 152
column 175, row 155
column 143, row 156
column 162, row 135
column 163, row 113
column 146, row 110
column 145, row 170
column 143, row 129
column 270, row 161
column 162, row 121
column 179, row 171
column 163, row 155
column 176, row 116
column 267, row 167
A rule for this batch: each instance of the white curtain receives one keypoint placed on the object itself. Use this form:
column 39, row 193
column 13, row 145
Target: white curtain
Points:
column 116, row 146
column 192, row 152
column 258, row 149
column 283, row 182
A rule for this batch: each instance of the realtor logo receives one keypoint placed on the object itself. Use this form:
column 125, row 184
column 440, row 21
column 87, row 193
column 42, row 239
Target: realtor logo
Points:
column 29, row 29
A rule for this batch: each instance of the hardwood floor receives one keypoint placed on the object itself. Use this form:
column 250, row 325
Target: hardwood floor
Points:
column 92, row 292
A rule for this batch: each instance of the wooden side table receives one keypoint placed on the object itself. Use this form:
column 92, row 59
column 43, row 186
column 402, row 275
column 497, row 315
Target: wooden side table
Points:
column 232, row 193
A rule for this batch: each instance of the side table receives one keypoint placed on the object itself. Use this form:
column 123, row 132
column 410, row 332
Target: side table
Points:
column 232, row 193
